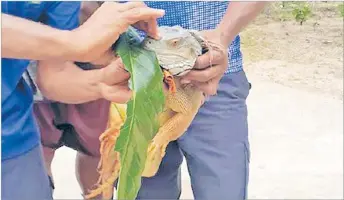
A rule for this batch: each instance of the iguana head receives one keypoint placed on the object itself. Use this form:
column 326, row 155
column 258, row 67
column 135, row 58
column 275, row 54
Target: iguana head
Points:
column 177, row 49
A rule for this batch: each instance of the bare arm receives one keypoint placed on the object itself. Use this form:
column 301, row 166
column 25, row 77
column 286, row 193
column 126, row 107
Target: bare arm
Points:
column 237, row 17
column 92, row 40
column 25, row 39
column 65, row 82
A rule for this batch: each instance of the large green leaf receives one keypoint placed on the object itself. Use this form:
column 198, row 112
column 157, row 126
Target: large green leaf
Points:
column 141, row 124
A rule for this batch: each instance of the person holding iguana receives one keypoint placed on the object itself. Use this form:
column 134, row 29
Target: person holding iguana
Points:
column 71, row 123
column 49, row 31
column 216, row 145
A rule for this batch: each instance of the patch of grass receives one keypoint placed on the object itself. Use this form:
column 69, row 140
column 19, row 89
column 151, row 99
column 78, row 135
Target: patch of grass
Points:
column 341, row 9
column 285, row 16
column 301, row 12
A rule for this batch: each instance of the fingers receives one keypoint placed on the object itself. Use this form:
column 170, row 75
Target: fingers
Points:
column 116, row 93
column 211, row 57
column 139, row 12
column 153, row 29
column 150, row 27
column 129, row 5
column 114, row 84
column 142, row 14
column 210, row 87
column 201, row 75
column 115, row 73
column 207, row 67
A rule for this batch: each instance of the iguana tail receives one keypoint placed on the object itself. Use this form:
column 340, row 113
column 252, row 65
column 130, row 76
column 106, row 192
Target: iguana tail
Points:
column 109, row 164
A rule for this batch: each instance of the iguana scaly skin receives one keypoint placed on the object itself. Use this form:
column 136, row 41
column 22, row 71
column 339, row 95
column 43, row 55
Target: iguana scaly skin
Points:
column 176, row 51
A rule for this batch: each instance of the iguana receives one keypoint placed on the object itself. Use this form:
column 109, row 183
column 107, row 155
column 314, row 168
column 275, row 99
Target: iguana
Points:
column 176, row 51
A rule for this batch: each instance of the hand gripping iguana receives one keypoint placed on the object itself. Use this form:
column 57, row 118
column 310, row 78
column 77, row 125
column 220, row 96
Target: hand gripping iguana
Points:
column 176, row 51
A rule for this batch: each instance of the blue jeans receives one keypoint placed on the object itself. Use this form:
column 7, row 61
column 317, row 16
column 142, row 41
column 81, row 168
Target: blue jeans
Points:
column 25, row 177
column 215, row 146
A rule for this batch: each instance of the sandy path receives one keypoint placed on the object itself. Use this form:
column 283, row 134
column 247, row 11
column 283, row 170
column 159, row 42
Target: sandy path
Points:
column 296, row 143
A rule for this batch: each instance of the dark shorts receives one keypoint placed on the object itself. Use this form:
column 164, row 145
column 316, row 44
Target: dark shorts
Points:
column 77, row 126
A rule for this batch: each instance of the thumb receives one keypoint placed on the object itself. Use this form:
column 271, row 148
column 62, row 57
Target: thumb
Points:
column 115, row 72
column 203, row 61
column 116, row 93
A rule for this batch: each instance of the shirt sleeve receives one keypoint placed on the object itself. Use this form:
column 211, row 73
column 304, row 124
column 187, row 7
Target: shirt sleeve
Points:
column 62, row 15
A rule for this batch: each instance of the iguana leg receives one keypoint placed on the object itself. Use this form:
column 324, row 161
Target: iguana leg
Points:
column 186, row 105
column 170, row 131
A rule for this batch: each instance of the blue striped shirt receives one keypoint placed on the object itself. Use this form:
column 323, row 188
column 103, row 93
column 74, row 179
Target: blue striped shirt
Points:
column 199, row 15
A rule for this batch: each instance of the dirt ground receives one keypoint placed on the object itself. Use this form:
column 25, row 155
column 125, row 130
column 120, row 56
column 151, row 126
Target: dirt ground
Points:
column 279, row 49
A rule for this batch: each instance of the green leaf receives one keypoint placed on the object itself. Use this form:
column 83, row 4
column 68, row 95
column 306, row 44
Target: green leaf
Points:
column 142, row 123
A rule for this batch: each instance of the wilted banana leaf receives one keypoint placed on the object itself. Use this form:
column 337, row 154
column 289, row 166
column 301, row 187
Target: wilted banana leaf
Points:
column 141, row 123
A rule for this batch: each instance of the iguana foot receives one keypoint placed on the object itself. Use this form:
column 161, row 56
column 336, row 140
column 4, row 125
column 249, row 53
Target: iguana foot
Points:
column 156, row 151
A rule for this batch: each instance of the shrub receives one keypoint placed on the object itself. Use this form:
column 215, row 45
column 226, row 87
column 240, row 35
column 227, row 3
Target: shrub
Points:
column 301, row 13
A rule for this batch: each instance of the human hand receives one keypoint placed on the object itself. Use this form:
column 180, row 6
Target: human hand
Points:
column 113, row 82
column 95, row 36
column 210, row 67
column 66, row 82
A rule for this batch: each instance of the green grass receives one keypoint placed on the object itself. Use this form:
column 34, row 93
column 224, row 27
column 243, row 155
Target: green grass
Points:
column 341, row 9
column 301, row 10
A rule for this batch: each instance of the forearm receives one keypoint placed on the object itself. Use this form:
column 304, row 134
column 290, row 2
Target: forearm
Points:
column 25, row 39
column 237, row 17
column 65, row 82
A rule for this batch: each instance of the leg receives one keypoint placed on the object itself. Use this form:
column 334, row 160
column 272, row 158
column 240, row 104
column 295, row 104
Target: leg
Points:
column 50, row 135
column 216, row 144
column 48, row 154
column 89, row 121
column 25, row 177
column 86, row 171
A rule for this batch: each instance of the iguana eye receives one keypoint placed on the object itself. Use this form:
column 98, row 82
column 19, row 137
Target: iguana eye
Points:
column 174, row 42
